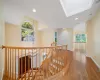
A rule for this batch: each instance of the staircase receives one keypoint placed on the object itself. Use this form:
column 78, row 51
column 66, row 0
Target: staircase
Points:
column 35, row 63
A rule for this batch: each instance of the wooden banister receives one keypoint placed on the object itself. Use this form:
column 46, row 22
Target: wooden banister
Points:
column 22, row 63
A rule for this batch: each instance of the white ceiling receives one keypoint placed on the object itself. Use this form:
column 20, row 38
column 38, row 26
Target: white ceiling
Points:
column 49, row 12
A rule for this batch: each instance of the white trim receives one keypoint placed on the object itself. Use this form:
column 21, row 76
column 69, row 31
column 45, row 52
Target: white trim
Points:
column 94, row 62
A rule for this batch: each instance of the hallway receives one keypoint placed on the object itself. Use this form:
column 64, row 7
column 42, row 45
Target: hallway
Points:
column 82, row 68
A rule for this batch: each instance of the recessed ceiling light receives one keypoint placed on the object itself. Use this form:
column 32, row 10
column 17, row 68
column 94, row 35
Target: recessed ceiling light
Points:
column 76, row 18
column 34, row 10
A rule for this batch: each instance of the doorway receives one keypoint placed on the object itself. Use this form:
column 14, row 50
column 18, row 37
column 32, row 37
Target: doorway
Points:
column 25, row 64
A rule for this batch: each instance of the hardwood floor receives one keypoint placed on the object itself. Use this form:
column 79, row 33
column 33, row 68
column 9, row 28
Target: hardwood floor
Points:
column 82, row 68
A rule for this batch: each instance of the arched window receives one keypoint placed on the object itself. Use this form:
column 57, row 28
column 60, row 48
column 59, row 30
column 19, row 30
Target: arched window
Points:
column 27, row 32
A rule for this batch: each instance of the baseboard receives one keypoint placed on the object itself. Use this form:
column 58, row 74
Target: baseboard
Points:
column 95, row 62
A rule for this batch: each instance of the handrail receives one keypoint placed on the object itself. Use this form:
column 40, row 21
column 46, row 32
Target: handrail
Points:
column 28, row 47
column 19, row 64
column 48, row 63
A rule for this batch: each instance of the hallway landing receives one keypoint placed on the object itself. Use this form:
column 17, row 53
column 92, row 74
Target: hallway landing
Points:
column 82, row 68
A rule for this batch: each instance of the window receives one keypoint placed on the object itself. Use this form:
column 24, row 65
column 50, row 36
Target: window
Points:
column 55, row 37
column 80, row 37
column 27, row 32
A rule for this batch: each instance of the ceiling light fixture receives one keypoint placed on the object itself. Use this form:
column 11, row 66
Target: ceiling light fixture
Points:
column 76, row 18
column 34, row 10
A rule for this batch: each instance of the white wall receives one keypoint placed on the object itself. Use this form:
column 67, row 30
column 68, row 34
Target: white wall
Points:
column 13, row 36
column 93, row 41
column 48, row 37
column 65, row 37
column 1, row 40
column 79, row 29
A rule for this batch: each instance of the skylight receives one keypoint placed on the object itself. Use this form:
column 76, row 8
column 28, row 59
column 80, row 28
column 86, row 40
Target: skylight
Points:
column 72, row 7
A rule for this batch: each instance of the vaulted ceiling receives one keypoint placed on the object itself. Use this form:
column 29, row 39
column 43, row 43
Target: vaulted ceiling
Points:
column 53, row 13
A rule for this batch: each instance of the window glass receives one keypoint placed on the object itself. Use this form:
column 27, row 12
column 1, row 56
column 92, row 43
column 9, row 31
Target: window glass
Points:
column 27, row 32
column 80, row 37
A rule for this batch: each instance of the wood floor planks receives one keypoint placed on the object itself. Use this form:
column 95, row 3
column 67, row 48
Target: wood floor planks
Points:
column 82, row 68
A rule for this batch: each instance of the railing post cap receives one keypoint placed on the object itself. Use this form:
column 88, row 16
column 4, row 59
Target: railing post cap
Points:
column 3, row 47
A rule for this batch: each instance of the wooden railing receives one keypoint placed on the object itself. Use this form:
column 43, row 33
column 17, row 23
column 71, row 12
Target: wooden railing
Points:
column 52, row 65
column 33, row 63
